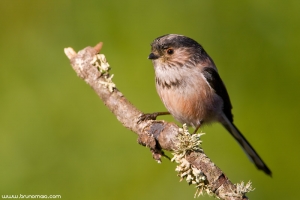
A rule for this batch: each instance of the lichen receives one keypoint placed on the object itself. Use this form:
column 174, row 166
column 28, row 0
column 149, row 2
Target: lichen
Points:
column 242, row 189
column 99, row 61
column 186, row 143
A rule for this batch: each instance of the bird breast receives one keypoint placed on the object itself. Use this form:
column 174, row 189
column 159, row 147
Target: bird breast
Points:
column 187, row 95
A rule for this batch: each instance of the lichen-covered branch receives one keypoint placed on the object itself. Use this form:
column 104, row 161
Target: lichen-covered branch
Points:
column 193, row 165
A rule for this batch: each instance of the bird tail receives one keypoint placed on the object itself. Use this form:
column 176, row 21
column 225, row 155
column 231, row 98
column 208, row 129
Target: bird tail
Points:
column 232, row 129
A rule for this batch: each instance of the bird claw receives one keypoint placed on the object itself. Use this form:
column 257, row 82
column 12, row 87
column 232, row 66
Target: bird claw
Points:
column 147, row 116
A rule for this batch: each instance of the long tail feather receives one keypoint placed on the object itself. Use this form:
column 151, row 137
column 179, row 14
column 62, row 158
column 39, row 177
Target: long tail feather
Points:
column 232, row 129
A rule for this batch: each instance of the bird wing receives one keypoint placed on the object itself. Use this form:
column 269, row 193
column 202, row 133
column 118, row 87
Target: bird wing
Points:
column 216, row 83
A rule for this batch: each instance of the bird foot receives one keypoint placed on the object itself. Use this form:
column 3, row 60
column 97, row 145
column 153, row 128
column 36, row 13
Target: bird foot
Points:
column 151, row 116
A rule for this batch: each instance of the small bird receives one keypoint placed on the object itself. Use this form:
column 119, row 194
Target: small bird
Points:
column 192, row 90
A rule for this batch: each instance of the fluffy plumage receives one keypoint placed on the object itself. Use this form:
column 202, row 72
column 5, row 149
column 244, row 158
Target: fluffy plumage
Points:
column 191, row 89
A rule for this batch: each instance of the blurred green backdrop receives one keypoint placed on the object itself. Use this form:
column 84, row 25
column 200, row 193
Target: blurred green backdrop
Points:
column 57, row 137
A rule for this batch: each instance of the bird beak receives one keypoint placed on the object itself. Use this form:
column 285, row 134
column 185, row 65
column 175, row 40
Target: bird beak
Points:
column 152, row 56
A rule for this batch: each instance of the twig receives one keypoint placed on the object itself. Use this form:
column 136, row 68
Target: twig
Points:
column 156, row 135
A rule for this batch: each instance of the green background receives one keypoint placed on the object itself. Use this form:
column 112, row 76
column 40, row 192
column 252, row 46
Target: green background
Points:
column 57, row 137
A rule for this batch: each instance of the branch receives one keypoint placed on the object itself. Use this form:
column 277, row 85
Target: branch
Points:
column 156, row 135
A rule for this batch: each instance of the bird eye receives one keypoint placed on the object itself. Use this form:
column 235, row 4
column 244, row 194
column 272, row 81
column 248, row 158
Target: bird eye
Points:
column 170, row 51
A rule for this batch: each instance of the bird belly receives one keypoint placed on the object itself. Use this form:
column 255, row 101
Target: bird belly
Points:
column 193, row 107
